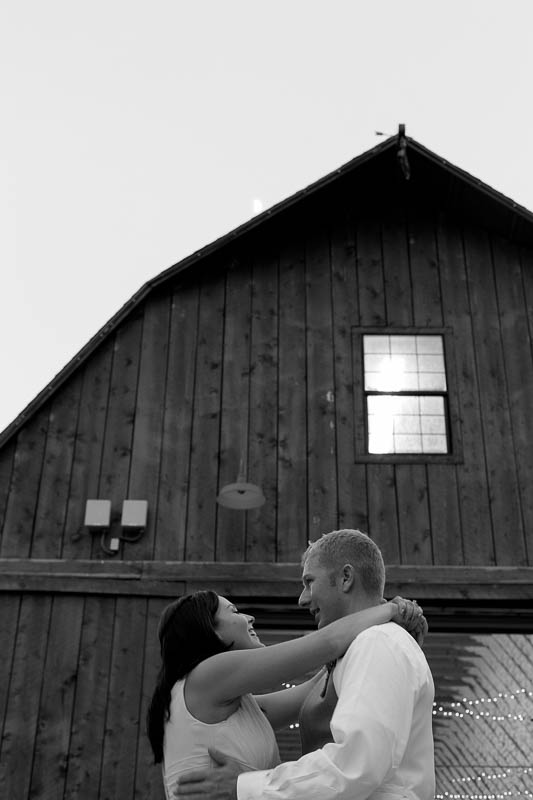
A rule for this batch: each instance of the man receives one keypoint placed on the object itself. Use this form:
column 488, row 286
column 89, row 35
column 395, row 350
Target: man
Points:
column 379, row 745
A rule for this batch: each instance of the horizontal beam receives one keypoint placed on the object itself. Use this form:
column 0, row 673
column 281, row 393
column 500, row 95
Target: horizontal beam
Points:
column 251, row 579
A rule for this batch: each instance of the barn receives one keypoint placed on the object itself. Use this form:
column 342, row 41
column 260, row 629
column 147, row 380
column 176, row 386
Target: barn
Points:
column 359, row 355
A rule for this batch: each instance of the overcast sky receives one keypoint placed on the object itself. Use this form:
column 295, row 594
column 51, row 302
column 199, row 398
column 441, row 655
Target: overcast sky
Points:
column 133, row 133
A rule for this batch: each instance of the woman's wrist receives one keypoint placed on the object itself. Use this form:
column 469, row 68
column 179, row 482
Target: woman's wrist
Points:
column 392, row 608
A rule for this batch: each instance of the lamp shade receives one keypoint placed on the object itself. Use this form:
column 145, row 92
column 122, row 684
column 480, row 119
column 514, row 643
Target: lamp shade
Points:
column 241, row 495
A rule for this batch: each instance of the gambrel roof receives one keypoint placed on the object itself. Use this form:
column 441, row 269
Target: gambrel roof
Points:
column 458, row 192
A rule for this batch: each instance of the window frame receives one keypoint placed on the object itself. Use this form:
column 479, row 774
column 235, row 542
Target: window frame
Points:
column 453, row 427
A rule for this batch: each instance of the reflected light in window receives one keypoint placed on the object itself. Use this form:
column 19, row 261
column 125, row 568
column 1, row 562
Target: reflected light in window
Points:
column 381, row 424
column 391, row 375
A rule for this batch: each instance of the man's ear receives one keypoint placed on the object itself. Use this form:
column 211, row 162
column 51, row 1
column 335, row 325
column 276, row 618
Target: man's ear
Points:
column 348, row 577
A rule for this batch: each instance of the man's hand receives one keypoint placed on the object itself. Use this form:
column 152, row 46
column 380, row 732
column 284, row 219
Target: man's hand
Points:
column 411, row 617
column 218, row 783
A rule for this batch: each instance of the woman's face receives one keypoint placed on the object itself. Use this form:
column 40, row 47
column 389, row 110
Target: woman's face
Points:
column 234, row 627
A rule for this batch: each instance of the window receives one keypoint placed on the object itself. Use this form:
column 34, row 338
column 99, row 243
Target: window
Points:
column 405, row 400
column 405, row 389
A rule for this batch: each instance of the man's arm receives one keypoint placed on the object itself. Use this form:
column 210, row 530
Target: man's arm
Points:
column 218, row 783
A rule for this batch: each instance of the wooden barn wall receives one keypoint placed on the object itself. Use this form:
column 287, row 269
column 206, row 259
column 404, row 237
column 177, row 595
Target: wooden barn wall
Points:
column 251, row 353
column 76, row 676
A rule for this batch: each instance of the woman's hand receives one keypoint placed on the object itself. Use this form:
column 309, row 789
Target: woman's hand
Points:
column 411, row 617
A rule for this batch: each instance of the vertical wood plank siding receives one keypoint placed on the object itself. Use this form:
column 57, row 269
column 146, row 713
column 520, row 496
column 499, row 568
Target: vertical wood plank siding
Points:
column 321, row 439
column 54, row 486
column 476, row 533
column 263, row 399
column 9, row 620
column 91, row 699
column 120, row 420
column 178, row 401
column 518, row 364
column 21, row 498
column 291, row 490
column 23, row 703
column 6, row 469
column 205, row 441
column 88, row 448
column 252, row 354
column 234, row 433
column 82, row 675
column 60, row 668
column 506, row 522
column 148, row 442
column 351, row 478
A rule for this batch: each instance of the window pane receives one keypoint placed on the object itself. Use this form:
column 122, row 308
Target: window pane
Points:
column 407, row 444
column 432, row 405
column 432, row 382
column 433, row 363
column 434, row 444
column 406, row 423
column 409, row 363
column 408, row 404
column 404, row 363
column 376, row 344
column 433, row 424
column 374, row 361
column 382, row 405
column 373, row 381
column 411, row 382
column 380, row 442
column 396, row 424
column 403, row 344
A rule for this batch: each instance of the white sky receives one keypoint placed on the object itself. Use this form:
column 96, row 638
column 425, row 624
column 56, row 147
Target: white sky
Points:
column 133, row 133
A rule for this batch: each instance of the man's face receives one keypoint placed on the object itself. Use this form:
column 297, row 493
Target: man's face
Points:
column 325, row 601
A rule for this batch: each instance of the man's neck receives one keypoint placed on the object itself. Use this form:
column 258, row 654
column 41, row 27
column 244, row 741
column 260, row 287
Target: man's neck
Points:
column 360, row 602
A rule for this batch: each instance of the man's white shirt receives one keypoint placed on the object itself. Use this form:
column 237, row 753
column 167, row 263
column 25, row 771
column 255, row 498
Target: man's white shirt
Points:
column 381, row 726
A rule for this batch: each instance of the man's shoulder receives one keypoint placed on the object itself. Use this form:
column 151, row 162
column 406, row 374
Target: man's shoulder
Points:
column 388, row 630
column 389, row 636
column 377, row 634
column 388, row 643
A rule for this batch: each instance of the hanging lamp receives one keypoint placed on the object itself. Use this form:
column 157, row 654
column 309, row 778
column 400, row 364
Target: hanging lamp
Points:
column 241, row 494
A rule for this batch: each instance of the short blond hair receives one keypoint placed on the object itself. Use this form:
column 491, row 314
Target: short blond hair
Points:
column 353, row 547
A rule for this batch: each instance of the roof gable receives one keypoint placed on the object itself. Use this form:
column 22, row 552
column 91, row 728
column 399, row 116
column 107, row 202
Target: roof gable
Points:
column 414, row 165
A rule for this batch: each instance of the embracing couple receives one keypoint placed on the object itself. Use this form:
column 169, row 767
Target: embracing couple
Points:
column 365, row 721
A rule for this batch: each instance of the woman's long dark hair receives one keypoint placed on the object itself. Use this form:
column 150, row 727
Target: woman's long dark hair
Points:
column 187, row 637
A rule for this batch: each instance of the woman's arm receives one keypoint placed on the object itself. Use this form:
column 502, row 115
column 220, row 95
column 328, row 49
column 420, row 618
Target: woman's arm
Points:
column 283, row 707
column 229, row 675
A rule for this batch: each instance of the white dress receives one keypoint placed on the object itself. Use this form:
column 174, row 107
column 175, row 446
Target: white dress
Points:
column 246, row 736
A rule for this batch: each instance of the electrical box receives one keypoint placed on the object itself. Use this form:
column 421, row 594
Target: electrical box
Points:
column 97, row 514
column 134, row 514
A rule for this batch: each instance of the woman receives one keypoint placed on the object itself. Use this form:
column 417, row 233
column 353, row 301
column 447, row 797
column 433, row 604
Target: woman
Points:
column 213, row 663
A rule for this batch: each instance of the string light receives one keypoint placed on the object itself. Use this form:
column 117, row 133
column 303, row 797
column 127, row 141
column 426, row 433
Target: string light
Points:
column 498, row 796
column 466, row 707
column 508, row 782
column 496, row 776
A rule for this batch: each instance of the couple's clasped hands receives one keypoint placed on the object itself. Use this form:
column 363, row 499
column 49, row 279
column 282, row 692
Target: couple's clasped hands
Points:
column 411, row 617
